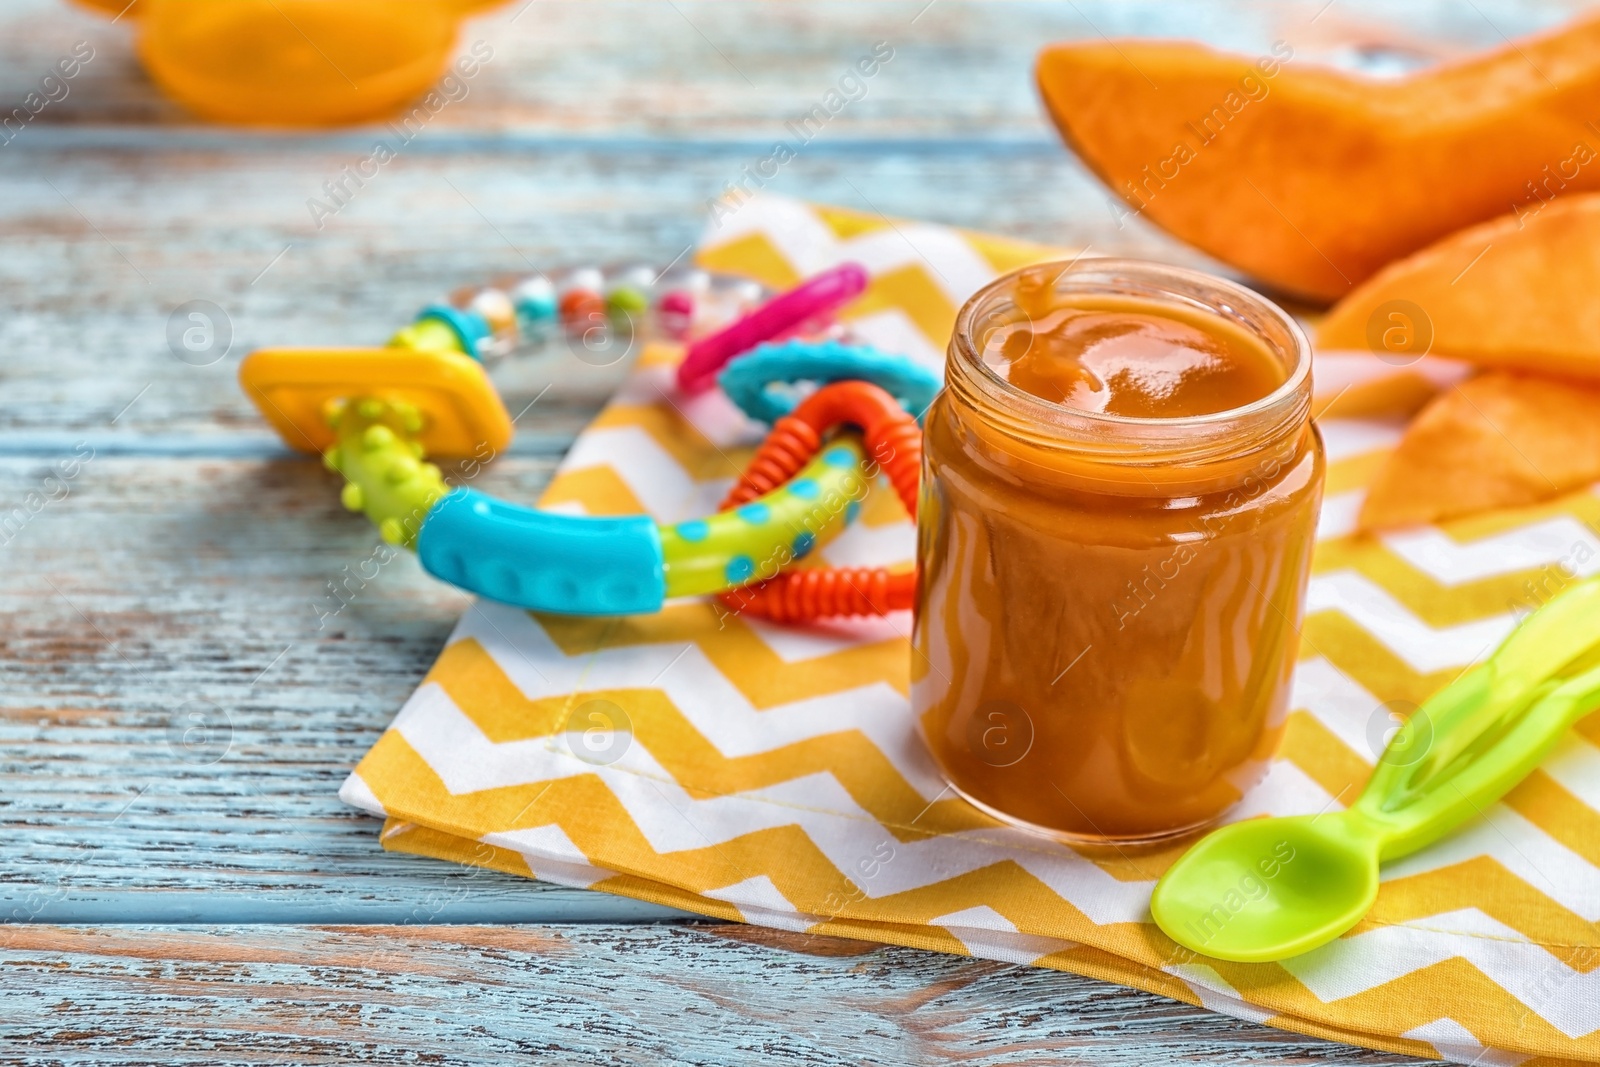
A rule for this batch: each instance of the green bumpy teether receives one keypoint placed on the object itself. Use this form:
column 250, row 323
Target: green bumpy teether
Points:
column 381, row 461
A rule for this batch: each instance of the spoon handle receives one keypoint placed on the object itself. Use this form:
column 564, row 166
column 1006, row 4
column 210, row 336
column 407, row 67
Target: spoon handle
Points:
column 1482, row 734
column 1551, row 641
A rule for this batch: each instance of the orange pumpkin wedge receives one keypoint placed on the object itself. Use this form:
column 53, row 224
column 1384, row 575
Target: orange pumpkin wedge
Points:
column 1499, row 440
column 1520, row 292
column 1310, row 179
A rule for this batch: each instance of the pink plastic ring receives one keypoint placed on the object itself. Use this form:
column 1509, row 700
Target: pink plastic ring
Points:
column 815, row 297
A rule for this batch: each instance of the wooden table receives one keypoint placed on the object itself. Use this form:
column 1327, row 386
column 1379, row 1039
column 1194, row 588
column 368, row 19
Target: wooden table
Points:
column 187, row 890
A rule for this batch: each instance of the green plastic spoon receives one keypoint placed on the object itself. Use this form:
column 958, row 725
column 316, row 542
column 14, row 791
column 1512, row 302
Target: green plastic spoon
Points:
column 1268, row 889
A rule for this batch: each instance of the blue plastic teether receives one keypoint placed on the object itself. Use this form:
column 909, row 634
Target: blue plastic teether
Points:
column 747, row 380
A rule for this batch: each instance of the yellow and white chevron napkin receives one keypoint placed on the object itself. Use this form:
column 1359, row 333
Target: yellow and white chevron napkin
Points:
column 772, row 775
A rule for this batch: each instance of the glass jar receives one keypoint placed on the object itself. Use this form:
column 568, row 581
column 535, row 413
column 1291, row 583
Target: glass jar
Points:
column 1108, row 608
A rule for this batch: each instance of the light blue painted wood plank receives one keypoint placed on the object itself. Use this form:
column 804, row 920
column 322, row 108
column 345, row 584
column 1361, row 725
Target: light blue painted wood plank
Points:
column 180, row 567
column 693, row 66
column 527, row 143
column 580, row 145
column 602, row 995
column 405, row 900
column 217, row 444
column 102, row 254
column 147, row 583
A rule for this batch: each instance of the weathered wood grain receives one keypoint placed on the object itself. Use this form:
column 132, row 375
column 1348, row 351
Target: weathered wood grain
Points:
column 103, row 245
column 693, row 68
column 592, row 995
column 600, row 136
column 147, row 589
column 185, row 562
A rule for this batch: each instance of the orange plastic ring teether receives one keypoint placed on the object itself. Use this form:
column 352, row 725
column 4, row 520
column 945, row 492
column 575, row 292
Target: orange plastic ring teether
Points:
column 893, row 441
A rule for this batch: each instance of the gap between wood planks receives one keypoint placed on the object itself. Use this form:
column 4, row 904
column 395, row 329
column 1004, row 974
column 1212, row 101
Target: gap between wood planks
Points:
column 536, row 904
column 519, row 142
column 241, row 444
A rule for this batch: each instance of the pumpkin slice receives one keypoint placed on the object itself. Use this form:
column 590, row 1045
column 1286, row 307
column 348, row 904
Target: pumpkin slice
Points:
column 1310, row 179
column 1517, row 292
column 1495, row 441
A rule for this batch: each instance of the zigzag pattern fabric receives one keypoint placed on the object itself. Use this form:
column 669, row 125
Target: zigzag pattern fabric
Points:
column 773, row 775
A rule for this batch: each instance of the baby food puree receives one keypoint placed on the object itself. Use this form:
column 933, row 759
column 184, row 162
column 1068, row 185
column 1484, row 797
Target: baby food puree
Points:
column 1119, row 498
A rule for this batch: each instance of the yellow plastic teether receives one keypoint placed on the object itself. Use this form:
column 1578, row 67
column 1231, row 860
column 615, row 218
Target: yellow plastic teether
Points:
column 460, row 413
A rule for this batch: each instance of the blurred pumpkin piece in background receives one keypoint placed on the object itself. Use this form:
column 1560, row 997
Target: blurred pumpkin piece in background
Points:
column 1311, row 179
column 1499, row 440
column 1517, row 292
column 294, row 62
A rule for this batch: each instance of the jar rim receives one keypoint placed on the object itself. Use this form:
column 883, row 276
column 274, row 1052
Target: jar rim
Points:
column 1282, row 409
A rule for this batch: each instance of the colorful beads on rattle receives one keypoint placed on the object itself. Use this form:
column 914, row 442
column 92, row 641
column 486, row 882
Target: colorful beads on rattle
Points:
column 579, row 308
column 491, row 320
column 677, row 312
column 495, row 306
column 470, row 330
column 627, row 294
column 535, row 302
column 626, row 301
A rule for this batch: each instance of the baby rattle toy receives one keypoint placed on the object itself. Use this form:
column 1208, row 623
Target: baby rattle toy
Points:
column 376, row 414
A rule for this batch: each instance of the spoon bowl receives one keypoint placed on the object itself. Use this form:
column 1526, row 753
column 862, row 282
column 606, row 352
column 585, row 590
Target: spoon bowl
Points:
column 1268, row 889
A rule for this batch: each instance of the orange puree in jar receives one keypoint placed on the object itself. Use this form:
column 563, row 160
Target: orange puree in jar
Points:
column 1120, row 493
